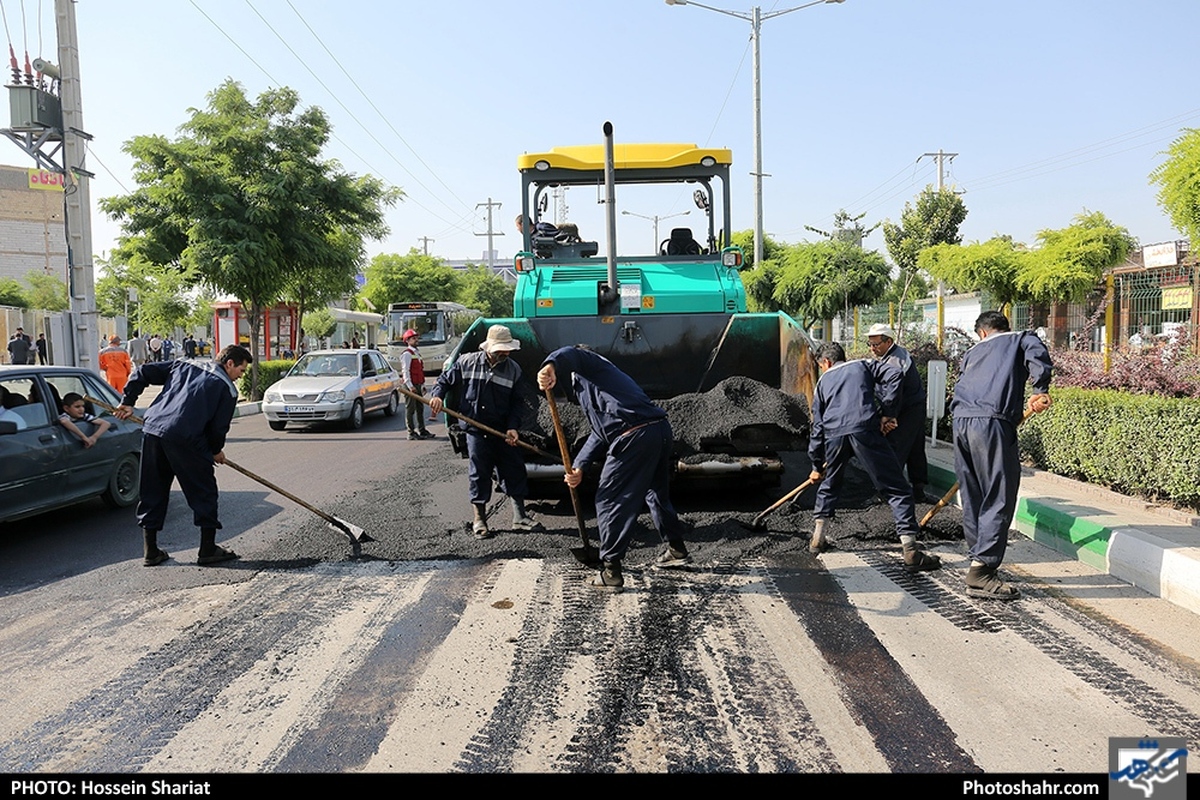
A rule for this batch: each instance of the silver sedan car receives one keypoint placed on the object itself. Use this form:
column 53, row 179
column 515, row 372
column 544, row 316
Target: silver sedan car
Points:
column 332, row 386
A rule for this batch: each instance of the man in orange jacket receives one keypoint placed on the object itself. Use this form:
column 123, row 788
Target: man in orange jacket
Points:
column 115, row 363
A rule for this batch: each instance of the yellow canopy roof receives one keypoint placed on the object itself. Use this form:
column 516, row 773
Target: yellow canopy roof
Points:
column 625, row 156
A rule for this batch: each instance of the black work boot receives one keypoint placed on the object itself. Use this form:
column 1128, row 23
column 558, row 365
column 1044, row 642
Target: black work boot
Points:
column 152, row 556
column 610, row 577
column 917, row 560
column 210, row 551
column 982, row 581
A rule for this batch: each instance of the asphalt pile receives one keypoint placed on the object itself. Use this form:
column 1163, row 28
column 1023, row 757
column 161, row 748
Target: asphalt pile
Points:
column 702, row 422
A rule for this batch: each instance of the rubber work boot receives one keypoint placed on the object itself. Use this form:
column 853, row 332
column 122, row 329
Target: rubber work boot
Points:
column 210, row 551
column 152, row 556
column 521, row 520
column 610, row 577
column 917, row 560
column 479, row 524
column 818, row 543
column 982, row 581
column 675, row 556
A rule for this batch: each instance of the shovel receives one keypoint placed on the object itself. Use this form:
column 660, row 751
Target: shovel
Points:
column 480, row 425
column 759, row 523
column 586, row 555
column 356, row 534
column 948, row 496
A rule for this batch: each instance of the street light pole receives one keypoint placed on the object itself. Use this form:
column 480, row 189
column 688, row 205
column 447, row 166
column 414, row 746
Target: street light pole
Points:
column 655, row 220
column 756, row 18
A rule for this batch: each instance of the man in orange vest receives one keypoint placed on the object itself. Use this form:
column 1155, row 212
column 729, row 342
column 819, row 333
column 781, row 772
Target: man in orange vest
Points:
column 115, row 363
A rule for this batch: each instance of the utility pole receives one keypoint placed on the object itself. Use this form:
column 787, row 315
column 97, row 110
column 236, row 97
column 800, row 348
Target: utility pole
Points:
column 491, row 252
column 559, row 194
column 941, row 157
column 425, row 240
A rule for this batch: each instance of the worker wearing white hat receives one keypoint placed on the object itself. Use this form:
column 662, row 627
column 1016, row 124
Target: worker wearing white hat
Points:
column 907, row 438
column 489, row 386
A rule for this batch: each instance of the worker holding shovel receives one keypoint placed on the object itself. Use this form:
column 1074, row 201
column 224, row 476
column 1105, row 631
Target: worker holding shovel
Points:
column 490, row 384
column 987, row 407
column 183, row 437
column 844, row 424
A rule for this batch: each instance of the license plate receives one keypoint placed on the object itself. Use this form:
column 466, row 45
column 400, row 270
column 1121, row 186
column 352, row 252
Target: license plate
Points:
column 299, row 409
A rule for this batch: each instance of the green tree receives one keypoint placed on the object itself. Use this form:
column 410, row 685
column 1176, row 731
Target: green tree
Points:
column 243, row 197
column 935, row 219
column 745, row 240
column 1070, row 261
column 393, row 278
column 46, row 292
column 482, row 289
column 1178, row 180
column 318, row 322
column 991, row 266
column 818, row 281
column 165, row 299
column 12, row 294
column 846, row 228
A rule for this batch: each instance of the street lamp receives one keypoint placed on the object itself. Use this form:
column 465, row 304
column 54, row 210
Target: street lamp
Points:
column 655, row 220
column 756, row 19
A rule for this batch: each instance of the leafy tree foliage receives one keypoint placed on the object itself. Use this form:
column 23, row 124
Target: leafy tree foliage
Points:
column 991, row 266
column 1070, row 261
column 482, row 289
column 846, row 228
column 745, row 240
column 165, row 295
column 244, row 199
column 1178, row 179
column 319, row 323
column 818, row 281
column 393, row 278
column 12, row 294
column 935, row 219
column 46, row 292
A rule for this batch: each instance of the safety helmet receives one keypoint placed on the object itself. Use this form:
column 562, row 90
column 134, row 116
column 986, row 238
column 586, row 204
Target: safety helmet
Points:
column 408, row 333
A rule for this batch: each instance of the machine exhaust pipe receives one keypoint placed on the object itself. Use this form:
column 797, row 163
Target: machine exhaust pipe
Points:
column 609, row 293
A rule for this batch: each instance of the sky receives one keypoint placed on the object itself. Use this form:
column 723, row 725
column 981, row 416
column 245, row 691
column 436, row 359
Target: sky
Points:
column 1053, row 107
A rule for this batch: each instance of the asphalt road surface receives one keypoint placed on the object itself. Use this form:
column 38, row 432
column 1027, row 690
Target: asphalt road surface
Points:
column 432, row 651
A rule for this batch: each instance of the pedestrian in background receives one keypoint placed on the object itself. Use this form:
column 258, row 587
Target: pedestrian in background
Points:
column 137, row 350
column 40, row 344
column 19, row 347
column 631, row 437
column 989, row 397
column 115, row 364
column 907, row 436
column 412, row 371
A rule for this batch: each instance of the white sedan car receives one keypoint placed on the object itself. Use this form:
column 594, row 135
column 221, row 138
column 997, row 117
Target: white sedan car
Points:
column 333, row 385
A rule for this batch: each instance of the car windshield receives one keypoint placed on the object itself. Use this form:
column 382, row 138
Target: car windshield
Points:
column 326, row 364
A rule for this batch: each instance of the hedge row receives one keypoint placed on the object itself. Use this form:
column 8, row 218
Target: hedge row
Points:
column 268, row 373
column 1143, row 445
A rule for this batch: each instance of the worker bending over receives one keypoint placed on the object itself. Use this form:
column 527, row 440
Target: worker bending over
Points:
column 844, row 424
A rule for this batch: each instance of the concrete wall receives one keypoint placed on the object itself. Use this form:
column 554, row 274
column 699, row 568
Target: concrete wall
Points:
column 31, row 227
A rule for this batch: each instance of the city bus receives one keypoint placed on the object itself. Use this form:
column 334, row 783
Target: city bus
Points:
column 440, row 327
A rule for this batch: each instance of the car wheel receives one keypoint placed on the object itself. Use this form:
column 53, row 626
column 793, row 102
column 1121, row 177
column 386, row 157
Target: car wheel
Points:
column 393, row 405
column 277, row 424
column 122, row 490
column 355, row 420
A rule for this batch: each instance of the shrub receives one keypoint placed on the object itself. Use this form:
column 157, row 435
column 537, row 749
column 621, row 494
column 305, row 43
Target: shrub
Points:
column 268, row 373
column 1166, row 368
column 1141, row 445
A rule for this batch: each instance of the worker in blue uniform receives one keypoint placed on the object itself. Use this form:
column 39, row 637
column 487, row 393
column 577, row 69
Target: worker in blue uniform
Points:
column 907, row 437
column 489, row 384
column 846, row 423
column 632, row 438
column 987, row 406
column 182, row 438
